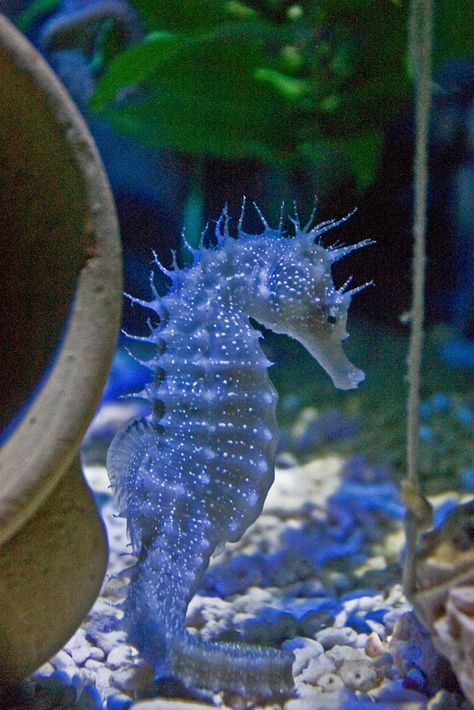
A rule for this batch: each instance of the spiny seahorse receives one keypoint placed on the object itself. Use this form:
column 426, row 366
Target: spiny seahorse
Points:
column 194, row 474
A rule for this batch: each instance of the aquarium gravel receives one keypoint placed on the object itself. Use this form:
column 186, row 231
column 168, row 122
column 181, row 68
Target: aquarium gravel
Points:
column 318, row 574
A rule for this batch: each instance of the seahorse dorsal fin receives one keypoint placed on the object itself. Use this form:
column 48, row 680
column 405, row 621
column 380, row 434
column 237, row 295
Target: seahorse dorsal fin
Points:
column 126, row 452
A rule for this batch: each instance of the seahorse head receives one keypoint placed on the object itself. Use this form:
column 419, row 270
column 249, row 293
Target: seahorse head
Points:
column 298, row 298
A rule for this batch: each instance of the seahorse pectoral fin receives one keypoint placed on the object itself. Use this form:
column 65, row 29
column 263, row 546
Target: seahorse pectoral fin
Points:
column 331, row 357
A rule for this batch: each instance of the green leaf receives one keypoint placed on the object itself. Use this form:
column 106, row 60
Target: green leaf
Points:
column 289, row 87
column 34, row 11
column 241, row 78
column 180, row 15
column 239, row 9
column 356, row 155
column 209, row 102
column 363, row 152
column 135, row 64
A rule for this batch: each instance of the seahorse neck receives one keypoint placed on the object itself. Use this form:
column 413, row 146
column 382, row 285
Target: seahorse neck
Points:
column 240, row 268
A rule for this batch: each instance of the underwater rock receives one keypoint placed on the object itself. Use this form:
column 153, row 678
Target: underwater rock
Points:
column 304, row 650
column 331, row 637
column 120, row 655
column 107, row 641
column 317, row 667
column 78, row 648
column 394, row 695
column 118, row 702
column 63, row 661
column 357, row 675
column 443, row 597
column 413, row 650
column 374, row 647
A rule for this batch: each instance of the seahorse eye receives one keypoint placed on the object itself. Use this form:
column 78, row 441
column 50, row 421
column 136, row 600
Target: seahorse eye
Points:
column 332, row 320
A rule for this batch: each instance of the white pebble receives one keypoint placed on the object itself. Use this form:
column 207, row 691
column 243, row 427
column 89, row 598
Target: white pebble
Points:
column 303, row 649
column 161, row 704
column 361, row 640
column 306, row 691
column 105, row 607
column 318, row 667
column 102, row 680
column 45, row 670
column 80, row 654
column 62, row 661
column 357, row 675
column 378, row 628
column 107, row 640
column 78, row 647
column 76, row 641
column 373, row 645
column 341, row 654
column 96, row 653
column 300, row 703
column 330, row 681
column 92, row 665
column 363, row 603
column 119, row 656
column 330, row 637
column 252, row 600
column 87, row 675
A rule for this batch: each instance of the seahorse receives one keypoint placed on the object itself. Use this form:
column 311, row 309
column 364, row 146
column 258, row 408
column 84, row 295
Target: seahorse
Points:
column 195, row 472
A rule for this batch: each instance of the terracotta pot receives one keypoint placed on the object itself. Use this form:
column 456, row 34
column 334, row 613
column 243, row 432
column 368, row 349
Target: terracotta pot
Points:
column 60, row 276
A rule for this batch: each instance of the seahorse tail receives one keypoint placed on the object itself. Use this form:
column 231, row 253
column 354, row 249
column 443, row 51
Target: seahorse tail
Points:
column 246, row 670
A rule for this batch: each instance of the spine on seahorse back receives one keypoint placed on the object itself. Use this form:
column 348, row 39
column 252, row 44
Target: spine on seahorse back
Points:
column 196, row 472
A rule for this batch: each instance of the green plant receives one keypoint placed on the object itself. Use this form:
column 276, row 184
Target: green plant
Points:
column 284, row 82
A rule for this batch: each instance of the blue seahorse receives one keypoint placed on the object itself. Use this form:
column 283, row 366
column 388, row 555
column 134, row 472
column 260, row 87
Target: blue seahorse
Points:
column 194, row 474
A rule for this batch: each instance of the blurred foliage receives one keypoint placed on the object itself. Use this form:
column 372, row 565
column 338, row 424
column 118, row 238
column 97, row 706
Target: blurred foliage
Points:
column 35, row 11
column 270, row 79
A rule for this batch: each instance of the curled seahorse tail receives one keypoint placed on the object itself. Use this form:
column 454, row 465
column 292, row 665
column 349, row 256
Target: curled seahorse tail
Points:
column 146, row 631
column 246, row 670
column 163, row 581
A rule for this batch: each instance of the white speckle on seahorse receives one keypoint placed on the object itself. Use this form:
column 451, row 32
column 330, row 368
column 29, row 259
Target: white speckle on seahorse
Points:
column 195, row 473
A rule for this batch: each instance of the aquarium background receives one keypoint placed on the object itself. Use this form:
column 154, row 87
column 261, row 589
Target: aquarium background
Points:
column 194, row 105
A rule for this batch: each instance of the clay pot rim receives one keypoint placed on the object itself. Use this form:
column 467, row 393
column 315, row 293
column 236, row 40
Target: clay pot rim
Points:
column 60, row 413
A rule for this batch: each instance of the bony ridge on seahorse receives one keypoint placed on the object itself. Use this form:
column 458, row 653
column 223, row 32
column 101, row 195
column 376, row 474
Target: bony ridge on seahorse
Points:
column 195, row 472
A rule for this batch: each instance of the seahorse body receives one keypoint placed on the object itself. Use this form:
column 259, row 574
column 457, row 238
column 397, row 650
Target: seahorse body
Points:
column 195, row 473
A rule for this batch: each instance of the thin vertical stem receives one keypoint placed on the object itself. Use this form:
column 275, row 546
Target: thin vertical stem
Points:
column 420, row 45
